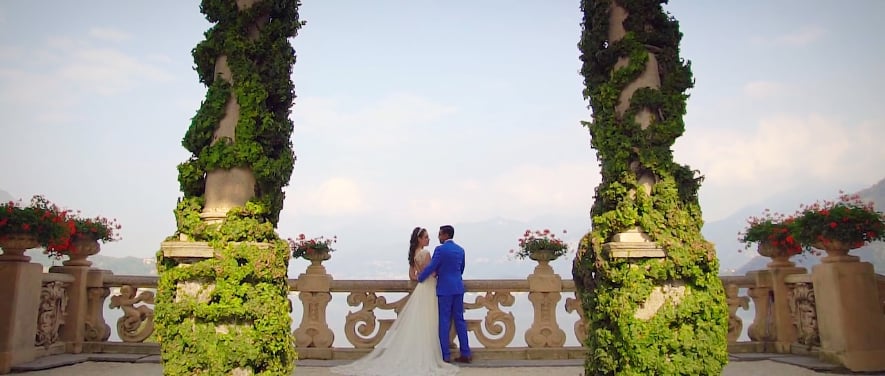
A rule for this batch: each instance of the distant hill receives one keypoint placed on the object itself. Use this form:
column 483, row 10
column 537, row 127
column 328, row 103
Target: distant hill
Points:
column 488, row 242
column 724, row 233
column 5, row 196
column 118, row 265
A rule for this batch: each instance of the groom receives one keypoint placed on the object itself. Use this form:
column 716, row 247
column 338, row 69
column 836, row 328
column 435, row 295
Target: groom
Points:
column 448, row 263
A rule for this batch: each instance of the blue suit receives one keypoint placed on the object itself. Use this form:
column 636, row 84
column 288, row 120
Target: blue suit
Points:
column 448, row 263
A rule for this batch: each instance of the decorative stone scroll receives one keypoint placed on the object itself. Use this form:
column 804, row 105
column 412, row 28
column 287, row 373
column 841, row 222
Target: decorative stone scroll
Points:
column 804, row 311
column 572, row 305
column 360, row 326
column 735, row 324
column 500, row 325
column 53, row 305
column 137, row 323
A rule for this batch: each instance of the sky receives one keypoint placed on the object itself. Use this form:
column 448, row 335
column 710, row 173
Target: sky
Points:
column 423, row 113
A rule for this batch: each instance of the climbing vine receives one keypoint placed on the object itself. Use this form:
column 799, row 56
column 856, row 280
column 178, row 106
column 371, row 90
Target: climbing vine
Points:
column 242, row 320
column 260, row 69
column 237, row 319
column 687, row 337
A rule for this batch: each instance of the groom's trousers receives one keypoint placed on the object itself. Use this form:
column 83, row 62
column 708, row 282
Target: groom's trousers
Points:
column 451, row 308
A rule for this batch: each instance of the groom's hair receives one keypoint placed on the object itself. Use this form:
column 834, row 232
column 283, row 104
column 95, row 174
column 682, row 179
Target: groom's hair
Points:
column 448, row 230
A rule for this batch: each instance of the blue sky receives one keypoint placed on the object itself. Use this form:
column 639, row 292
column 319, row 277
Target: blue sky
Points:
column 427, row 112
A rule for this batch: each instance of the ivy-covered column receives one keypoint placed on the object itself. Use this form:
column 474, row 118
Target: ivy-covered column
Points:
column 222, row 298
column 648, row 280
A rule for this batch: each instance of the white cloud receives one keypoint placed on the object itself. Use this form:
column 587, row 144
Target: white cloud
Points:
column 65, row 71
column 160, row 58
column 802, row 37
column 797, row 38
column 336, row 196
column 383, row 123
column 109, row 34
column 517, row 192
column 10, row 52
column 782, row 153
column 763, row 89
column 108, row 71
column 399, row 135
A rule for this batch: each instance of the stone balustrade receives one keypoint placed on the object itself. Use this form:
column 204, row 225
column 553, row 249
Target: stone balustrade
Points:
column 509, row 318
column 490, row 304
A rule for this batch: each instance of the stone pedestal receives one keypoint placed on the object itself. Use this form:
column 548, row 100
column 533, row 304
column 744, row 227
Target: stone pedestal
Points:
column 774, row 280
column 19, row 305
column 633, row 243
column 314, row 292
column 849, row 311
column 545, row 291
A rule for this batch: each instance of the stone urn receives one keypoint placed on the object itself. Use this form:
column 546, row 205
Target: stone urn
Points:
column 317, row 256
column 837, row 251
column 779, row 255
column 543, row 255
column 15, row 245
column 82, row 246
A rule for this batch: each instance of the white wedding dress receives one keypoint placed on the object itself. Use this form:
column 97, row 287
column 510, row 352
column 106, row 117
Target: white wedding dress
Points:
column 411, row 345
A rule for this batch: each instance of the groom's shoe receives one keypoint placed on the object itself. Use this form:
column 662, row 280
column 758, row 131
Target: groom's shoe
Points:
column 463, row 359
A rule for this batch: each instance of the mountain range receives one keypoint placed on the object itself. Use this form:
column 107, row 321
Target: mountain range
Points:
column 490, row 240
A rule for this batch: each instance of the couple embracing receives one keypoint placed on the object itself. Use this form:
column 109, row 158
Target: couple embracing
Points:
column 418, row 341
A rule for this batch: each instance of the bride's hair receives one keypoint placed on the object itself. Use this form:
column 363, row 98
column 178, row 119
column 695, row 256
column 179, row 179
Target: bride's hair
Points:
column 413, row 243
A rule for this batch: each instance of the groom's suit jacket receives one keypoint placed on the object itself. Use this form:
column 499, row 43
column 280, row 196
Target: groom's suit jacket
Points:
column 448, row 263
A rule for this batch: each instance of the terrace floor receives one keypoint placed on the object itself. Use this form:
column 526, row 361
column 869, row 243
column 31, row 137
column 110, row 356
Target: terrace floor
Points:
column 135, row 364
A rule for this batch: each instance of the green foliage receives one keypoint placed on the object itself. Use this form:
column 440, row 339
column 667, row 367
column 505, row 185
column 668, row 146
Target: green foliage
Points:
column 688, row 338
column 261, row 70
column 244, row 322
column 249, row 298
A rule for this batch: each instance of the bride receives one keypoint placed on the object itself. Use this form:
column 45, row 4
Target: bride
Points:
column 411, row 346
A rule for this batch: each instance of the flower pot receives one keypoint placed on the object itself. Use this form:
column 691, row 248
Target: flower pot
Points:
column 837, row 251
column 82, row 246
column 318, row 256
column 543, row 255
column 15, row 245
column 779, row 255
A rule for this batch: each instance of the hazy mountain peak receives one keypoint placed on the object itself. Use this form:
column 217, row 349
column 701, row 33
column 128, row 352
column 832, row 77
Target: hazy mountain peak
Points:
column 5, row 196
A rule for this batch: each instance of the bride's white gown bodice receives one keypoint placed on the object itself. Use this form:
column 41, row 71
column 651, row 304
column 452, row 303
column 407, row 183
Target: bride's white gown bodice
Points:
column 411, row 346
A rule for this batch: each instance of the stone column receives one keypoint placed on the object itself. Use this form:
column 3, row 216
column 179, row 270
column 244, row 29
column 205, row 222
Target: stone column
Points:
column 545, row 291
column 313, row 336
column 226, row 189
column 849, row 312
column 649, row 78
column 19, row 305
